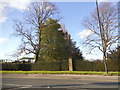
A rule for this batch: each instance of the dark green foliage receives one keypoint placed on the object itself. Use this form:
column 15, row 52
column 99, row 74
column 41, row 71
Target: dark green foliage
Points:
column 53, row 42
column 112, row 65
column 50, row 66
column 16, row 66
column 10, row 66
column 114, row 54
column 96, row 65
column 64, row 65
column 75, row 52
column 114, row 59
column 79, row 65
column 83, row 66
column 56, row 43
column 41, row 66
column 45, row 66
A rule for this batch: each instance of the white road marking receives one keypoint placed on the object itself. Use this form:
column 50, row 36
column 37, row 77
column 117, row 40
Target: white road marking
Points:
column 19, row 86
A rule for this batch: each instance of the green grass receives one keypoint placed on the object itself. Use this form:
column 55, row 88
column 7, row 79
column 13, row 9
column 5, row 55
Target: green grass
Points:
column 60, row 72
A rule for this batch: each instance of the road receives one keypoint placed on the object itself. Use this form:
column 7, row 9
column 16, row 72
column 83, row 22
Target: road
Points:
column 56, row 82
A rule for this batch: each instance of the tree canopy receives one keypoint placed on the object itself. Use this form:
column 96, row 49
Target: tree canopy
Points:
column 43, row 36
column 56, row 44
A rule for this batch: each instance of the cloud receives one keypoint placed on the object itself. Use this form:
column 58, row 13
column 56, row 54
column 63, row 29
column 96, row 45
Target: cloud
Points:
column 2, row 19
column 2, row 40
column 95, row 54
column 2, row 12
column 16, row 4
column 1, row 55
column 85, row 33
column 102, row 0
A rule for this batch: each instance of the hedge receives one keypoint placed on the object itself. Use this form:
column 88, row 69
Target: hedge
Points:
column 41, row 66
column 78, row 65
column 50, row 66
column 16, row 66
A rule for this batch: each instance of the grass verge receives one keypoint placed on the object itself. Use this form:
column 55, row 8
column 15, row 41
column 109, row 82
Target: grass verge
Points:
column 62, row 72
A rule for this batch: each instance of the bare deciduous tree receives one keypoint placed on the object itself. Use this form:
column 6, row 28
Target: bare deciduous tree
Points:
column 30, row 29
column 103, row 23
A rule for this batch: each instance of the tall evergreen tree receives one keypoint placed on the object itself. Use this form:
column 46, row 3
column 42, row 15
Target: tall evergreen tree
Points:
column 56, row 43
column 53, row 43
column 73, row 51
column 76, row 53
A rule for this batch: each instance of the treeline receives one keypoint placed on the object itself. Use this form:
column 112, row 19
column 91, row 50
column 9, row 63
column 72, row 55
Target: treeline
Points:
column 55, row 44
column 51, row 44
column 78, row 65
column 113, row 63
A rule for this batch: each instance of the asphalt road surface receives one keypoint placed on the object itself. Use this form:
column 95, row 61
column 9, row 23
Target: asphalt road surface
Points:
column 58, row 82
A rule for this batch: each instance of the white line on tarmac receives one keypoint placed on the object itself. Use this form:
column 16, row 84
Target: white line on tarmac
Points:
column 19, row 86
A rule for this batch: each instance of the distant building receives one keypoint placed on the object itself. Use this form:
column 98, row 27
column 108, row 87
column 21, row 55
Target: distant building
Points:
column 26, row 59
column 5, row 60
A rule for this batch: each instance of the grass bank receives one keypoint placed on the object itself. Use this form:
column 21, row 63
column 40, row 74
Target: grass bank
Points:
column 61, row 72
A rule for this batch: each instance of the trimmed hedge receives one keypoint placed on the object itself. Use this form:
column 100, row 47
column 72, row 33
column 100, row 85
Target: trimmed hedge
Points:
column 95, row 65
column 47, row 66
column 41, row 66
column 16, row 66
column 50, row 66
column 78, row 65
column 88, row 66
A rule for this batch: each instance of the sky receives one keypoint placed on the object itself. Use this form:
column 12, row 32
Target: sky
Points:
column 72, row 13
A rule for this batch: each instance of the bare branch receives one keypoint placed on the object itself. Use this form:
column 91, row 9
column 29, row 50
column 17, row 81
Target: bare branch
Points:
column 31, row 28
column 109, row 24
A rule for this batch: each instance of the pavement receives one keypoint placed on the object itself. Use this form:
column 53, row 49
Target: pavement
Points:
column 58, row 82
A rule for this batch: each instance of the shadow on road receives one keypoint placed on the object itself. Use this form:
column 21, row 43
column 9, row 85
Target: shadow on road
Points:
column 62, row 85
column 107, row 83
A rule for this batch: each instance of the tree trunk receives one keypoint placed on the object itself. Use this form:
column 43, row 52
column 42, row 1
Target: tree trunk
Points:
column 105, row 62
column 103, row 39
column 39, row 45
column 37, row 57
